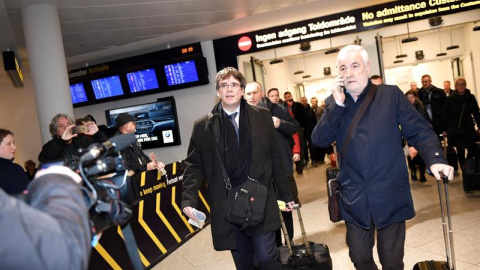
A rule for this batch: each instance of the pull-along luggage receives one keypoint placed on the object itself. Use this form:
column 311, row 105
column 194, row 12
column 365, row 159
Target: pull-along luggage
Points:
column 305, row 256
column 447, row 234
column 471, row 174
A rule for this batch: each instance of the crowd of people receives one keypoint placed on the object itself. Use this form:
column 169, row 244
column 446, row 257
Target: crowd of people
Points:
column 253, row 133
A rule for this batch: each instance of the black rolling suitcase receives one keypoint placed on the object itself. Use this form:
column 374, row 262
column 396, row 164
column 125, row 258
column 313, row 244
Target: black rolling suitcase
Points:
column 471, row 175
column 305, row 256
column 447, row 235
column 450, row 153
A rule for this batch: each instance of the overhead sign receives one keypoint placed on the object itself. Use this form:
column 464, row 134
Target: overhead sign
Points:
column 347, row 22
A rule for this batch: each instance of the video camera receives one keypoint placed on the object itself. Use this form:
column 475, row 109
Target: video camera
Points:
column 109, row 190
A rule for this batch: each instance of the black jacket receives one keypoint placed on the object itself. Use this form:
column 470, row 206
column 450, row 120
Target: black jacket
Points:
column 202, row 164
column 451, row 117
column 437, row 101
column 13, row 179
column 288, row 127
column 55, row 149
column 299, row 114
column 134, row 157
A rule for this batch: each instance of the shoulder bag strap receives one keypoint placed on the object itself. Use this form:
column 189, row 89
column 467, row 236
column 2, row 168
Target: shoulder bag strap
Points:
column 461, row 115
column 226, row 179
column 361, row 110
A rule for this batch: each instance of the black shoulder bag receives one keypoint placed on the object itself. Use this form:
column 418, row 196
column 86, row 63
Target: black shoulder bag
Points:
column 245, row 203
column 333, row 186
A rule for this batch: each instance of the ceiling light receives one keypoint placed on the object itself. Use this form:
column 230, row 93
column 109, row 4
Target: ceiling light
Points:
column 305, row 46
column 332, row 50
column 440, row 42
column 409, row 39
column 401, row 55
column 452, row 47
column 305, row 66
column 435, row 21
column 276, row 61
column 298, row 69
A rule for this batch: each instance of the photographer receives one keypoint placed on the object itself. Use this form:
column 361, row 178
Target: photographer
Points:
column 50, row 229
column 65, row 143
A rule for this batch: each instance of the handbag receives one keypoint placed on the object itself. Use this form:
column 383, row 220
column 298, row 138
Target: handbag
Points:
column 333, row 185
column 245, row 203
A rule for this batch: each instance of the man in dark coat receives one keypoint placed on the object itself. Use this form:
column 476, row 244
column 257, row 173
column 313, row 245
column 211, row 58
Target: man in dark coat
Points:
column 433, row 98
column 245, row 138
column 301, row 117
column 64, row 143
column 458, row 114
column 285, row 126
column 374, row 187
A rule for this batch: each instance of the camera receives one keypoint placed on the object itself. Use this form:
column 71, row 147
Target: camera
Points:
column 108, row 189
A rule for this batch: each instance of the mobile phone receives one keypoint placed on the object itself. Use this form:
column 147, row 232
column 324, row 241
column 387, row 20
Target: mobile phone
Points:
column 79, row 129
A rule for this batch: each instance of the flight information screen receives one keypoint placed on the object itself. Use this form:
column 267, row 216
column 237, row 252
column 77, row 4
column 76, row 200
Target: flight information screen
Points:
column 77, row 92
column 142, row 80
column 107, row 87
column 180, row 73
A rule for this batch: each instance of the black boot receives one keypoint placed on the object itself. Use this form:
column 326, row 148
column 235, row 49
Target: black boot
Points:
column 414, row 177
column 422, row 178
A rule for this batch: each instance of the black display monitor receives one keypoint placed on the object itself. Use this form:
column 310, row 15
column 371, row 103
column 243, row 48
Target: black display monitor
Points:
column 142, row 80
column 78, row 94
column 107, row 87
column 157, row 122
column 181, row 73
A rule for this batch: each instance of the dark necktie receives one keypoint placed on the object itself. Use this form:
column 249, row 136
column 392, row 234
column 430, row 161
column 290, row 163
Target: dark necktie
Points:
column 232, row 118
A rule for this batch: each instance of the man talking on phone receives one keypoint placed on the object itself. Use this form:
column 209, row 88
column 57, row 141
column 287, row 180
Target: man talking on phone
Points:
column 65, row 141
column 374, row 186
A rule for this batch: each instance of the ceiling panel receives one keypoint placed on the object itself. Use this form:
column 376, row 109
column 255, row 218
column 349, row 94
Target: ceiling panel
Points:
column 91, row 25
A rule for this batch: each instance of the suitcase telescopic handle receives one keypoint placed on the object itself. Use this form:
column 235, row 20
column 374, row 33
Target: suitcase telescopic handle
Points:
column 447, row 227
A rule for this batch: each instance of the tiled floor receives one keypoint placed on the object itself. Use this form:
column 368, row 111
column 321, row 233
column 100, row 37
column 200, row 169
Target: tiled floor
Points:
column 424, row 232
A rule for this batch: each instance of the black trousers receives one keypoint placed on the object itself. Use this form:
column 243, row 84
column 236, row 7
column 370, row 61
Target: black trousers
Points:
column 390, row 241
column 256, row 252
column 416, row 160
column 288, row 218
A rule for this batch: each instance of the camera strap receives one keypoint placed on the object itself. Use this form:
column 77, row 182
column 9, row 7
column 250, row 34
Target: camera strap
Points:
column 132, row 247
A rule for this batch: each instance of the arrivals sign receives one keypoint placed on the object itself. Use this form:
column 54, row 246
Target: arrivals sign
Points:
column 358, row 20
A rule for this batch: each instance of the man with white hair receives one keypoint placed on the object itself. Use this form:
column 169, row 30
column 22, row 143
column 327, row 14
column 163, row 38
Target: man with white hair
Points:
column 374, row 186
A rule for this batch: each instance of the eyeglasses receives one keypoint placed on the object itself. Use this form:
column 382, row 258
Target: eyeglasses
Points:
column 426, row 81
column 233, row 86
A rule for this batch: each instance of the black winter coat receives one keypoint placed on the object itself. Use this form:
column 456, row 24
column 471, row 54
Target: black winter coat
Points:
column 202, row 163
column 437, row 101
column 288, row 127
column 452, row 113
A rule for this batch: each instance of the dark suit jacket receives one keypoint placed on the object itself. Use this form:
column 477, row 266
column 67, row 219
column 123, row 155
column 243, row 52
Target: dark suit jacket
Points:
column 373, row 175
column 202, row 163
column 437, row 101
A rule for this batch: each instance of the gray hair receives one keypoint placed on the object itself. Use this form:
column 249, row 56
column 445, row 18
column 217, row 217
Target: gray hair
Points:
column 343, row 53
column 54, row 125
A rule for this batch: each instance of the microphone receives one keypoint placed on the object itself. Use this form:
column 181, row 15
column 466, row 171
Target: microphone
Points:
column 111, row 146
